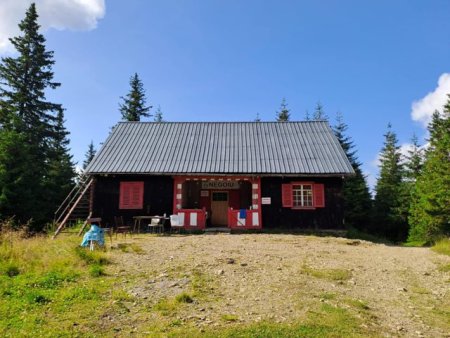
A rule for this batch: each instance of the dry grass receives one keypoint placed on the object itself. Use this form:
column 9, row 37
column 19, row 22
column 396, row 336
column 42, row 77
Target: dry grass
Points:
column 442, row 246
column 329, row 274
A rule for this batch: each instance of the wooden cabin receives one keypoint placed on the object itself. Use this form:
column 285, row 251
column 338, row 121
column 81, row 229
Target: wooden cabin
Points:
column 239, row 175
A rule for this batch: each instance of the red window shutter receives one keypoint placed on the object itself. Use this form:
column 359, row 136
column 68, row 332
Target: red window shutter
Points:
column 286, row 195
column 131, row 195
column 319, row 195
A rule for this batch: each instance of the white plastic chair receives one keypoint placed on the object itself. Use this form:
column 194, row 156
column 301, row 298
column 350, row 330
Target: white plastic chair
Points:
column 175, row 224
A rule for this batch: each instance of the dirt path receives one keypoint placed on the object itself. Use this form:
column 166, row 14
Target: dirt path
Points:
column 393, row 291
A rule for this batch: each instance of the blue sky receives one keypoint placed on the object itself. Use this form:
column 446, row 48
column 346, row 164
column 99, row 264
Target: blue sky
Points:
column 229, row 60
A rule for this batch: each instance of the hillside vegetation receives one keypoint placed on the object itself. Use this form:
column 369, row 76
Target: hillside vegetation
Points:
column 266, row 285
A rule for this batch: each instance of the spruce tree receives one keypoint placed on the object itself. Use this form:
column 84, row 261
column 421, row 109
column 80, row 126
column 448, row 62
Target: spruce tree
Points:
column 60, row 173
column 430, row 207
column 89, row 155
column 412, row 166
column 158, row 115
column 357, row 199
column 307, row 115
column 389, row 221
column 414, row 160
column 319, row 113
column 17, row 183
column 283, row 115
column 25, row 112
column 133, row 107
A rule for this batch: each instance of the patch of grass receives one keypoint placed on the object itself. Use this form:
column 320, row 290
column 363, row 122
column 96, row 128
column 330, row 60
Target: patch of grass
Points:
column 11, row 270
column 91, row 257
column 121, row 295
column 184, row 298
column 357, row 304
column 329, row 274
column 176, row 323
column 166, row 306
column 419, row 290
column 229, row 318
column 202, row 285
column 326, row 321
column 328, row 295
column 53, row 279
column 46, row 288
column 137, row 249
column 414, row 244
column 442, row 246
column 444, row 268
column 96, row 270
column 131, row 248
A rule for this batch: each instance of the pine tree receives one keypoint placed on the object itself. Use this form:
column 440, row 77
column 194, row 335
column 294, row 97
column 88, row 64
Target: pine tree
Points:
column 17, row 195
column 412, row 166
column 89, row 155
column 133, row 107
column 283, row 115
column 25, row 113
column 414, row 160
column 307, row 115
column 319, row 113
column 389, row 221
column 430, row 207
column 158, row 115
column 357, row 199
column 24, row 81
column 60, row 173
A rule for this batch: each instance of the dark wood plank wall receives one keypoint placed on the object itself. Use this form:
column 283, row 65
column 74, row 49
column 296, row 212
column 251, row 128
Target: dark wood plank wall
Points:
column 275, row 216
column 158, row 197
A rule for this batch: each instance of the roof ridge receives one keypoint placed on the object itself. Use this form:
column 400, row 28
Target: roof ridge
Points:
column 219, row 122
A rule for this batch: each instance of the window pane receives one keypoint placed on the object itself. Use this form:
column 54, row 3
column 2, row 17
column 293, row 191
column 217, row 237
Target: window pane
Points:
column 302, row 195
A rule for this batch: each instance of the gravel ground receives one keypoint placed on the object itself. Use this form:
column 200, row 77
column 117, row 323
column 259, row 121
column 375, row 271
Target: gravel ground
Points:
column 279, row 278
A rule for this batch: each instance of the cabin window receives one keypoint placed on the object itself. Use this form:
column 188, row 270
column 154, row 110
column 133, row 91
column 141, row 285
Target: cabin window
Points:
column 303, row 195
column 131, row 195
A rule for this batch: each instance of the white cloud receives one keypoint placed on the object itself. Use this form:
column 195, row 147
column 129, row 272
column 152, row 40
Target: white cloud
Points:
column 58, row 14
column 423, row 109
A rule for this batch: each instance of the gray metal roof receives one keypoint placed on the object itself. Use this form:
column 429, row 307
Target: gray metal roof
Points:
column 277, row 148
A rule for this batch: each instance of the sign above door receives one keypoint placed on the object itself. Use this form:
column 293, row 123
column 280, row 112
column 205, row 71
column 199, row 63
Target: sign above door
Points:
column 224, row 185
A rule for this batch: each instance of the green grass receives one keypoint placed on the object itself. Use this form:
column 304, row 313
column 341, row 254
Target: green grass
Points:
column 46, row 286
column 131, row 248
column 442, row 246
column 325, row 321
column 203, row 285
column 229, row 318
column 444, row 268
column 414, row 244
column 329, row 274
column 167, row 307
column 357, row 304
column 184, row 298
column 328, row 295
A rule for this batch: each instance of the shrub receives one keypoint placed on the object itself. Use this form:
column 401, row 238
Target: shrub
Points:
column 12, row 270
column 184, row 298
column 96, row 270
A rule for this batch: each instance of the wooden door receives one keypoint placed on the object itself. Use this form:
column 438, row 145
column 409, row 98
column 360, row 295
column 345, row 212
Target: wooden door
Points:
column 219, row 208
